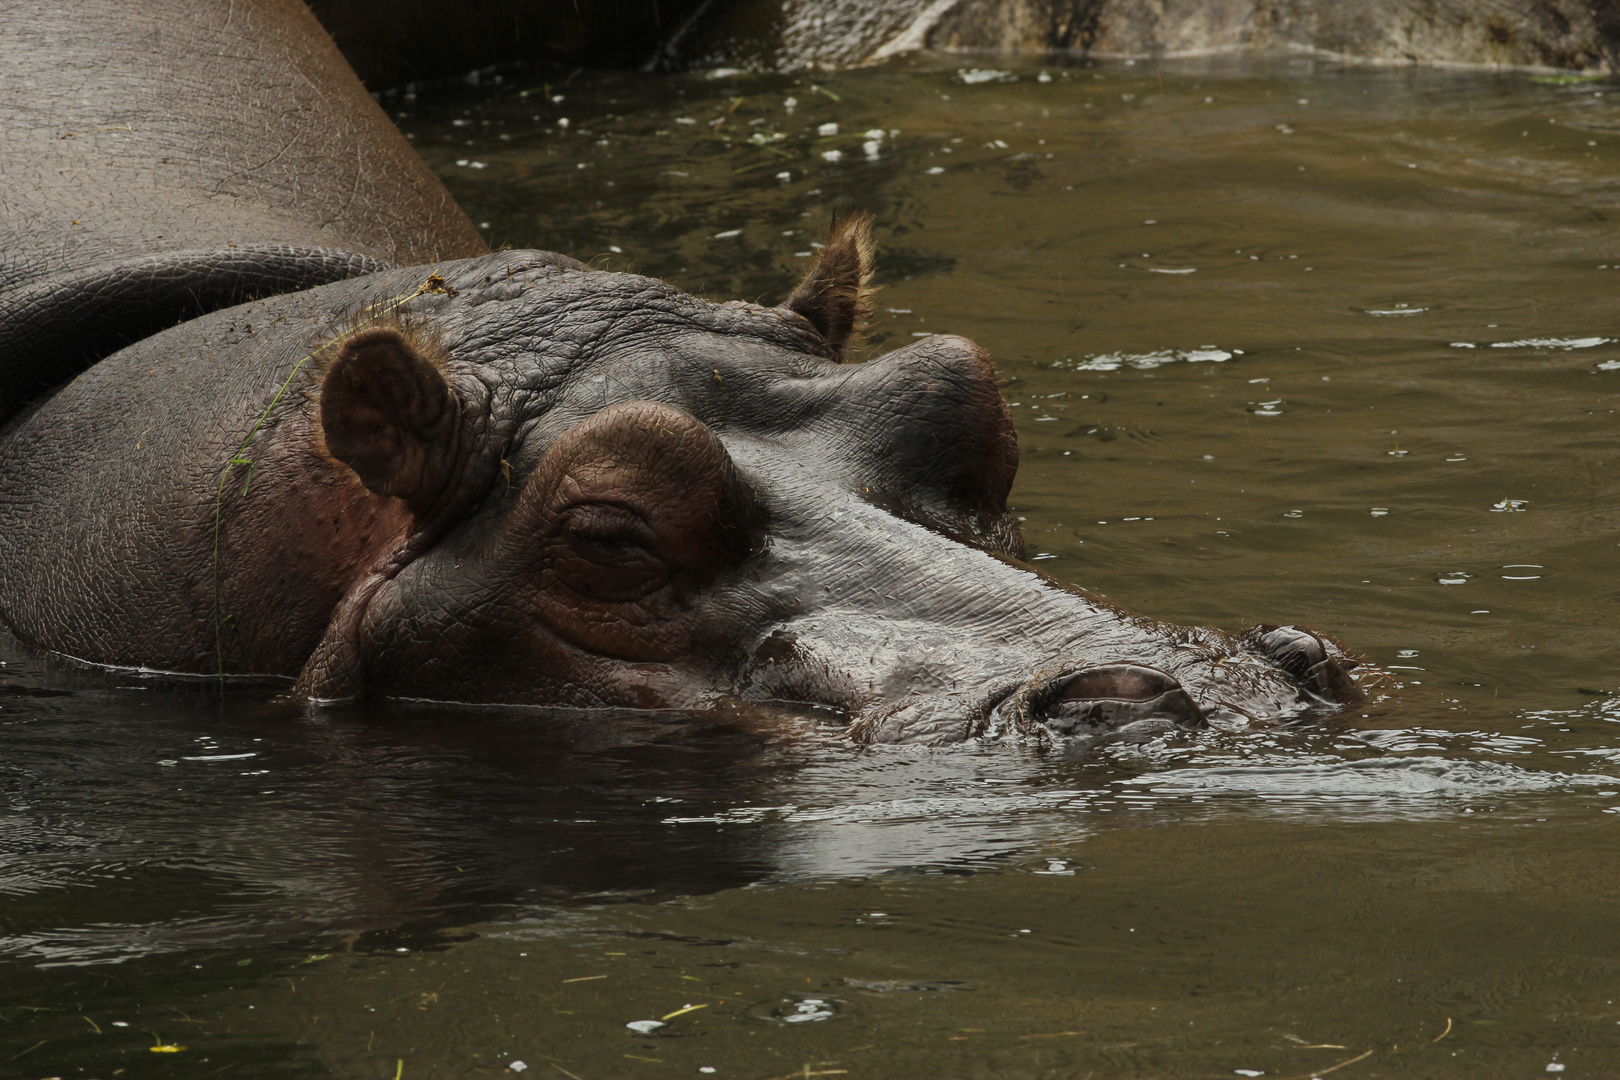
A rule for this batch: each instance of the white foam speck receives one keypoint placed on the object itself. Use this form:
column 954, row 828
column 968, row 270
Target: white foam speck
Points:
column 1552, row 343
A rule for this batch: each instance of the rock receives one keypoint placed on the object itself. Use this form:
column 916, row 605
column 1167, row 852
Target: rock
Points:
column 799, row 35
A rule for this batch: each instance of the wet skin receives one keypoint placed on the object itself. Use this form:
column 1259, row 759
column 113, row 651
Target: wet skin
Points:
column 167, row 158
column 521, row 480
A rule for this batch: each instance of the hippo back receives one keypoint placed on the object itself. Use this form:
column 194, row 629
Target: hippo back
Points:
column 163, row 159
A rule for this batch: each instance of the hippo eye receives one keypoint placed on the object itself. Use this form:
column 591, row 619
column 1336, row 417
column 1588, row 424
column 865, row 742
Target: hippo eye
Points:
column 623, row 524
column 605, row 552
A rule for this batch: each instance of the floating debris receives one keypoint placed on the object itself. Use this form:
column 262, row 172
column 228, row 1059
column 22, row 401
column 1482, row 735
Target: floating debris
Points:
column 1204, row 354
column 810, row 1009
column 1553, row 343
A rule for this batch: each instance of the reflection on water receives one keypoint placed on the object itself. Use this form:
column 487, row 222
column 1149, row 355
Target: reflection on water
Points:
column 1286, row 344
column 150, row 819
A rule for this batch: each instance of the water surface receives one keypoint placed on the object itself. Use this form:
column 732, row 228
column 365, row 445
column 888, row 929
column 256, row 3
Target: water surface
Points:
column 1282, row 344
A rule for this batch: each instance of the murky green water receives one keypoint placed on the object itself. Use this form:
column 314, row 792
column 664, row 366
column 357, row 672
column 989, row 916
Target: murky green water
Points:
column 1282, row 345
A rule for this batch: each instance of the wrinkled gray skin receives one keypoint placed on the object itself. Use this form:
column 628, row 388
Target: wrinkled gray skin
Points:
column 164, row 158
column 511, row 478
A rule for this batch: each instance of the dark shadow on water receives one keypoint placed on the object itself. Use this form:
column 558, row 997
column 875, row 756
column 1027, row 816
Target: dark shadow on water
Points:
column 147, row 814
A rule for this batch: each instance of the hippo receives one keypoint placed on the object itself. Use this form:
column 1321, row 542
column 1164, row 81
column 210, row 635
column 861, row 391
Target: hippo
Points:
column 355, row 450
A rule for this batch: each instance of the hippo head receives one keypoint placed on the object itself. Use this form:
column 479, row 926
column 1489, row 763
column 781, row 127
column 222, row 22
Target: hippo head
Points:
column 624, row 495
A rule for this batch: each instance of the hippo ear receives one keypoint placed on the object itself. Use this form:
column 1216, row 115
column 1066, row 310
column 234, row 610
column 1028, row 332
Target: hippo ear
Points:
column 836, row 295
column 388, row 414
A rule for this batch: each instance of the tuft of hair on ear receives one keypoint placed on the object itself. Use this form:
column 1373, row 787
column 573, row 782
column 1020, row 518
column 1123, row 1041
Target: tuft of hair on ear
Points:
column 835, row 297
column 425, row 337
column 326, row 345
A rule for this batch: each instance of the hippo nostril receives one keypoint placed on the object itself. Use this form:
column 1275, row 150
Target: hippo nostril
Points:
column 1126, row 682
column 1294, row 650
column 1105, row 699
column 1330, row 680
column 1302, row 654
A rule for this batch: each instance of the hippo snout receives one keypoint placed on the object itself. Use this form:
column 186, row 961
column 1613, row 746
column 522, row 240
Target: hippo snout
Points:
column 1276, row 671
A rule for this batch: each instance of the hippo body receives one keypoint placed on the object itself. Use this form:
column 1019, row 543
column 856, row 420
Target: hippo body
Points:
column 510, row 478
column 162, row 159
